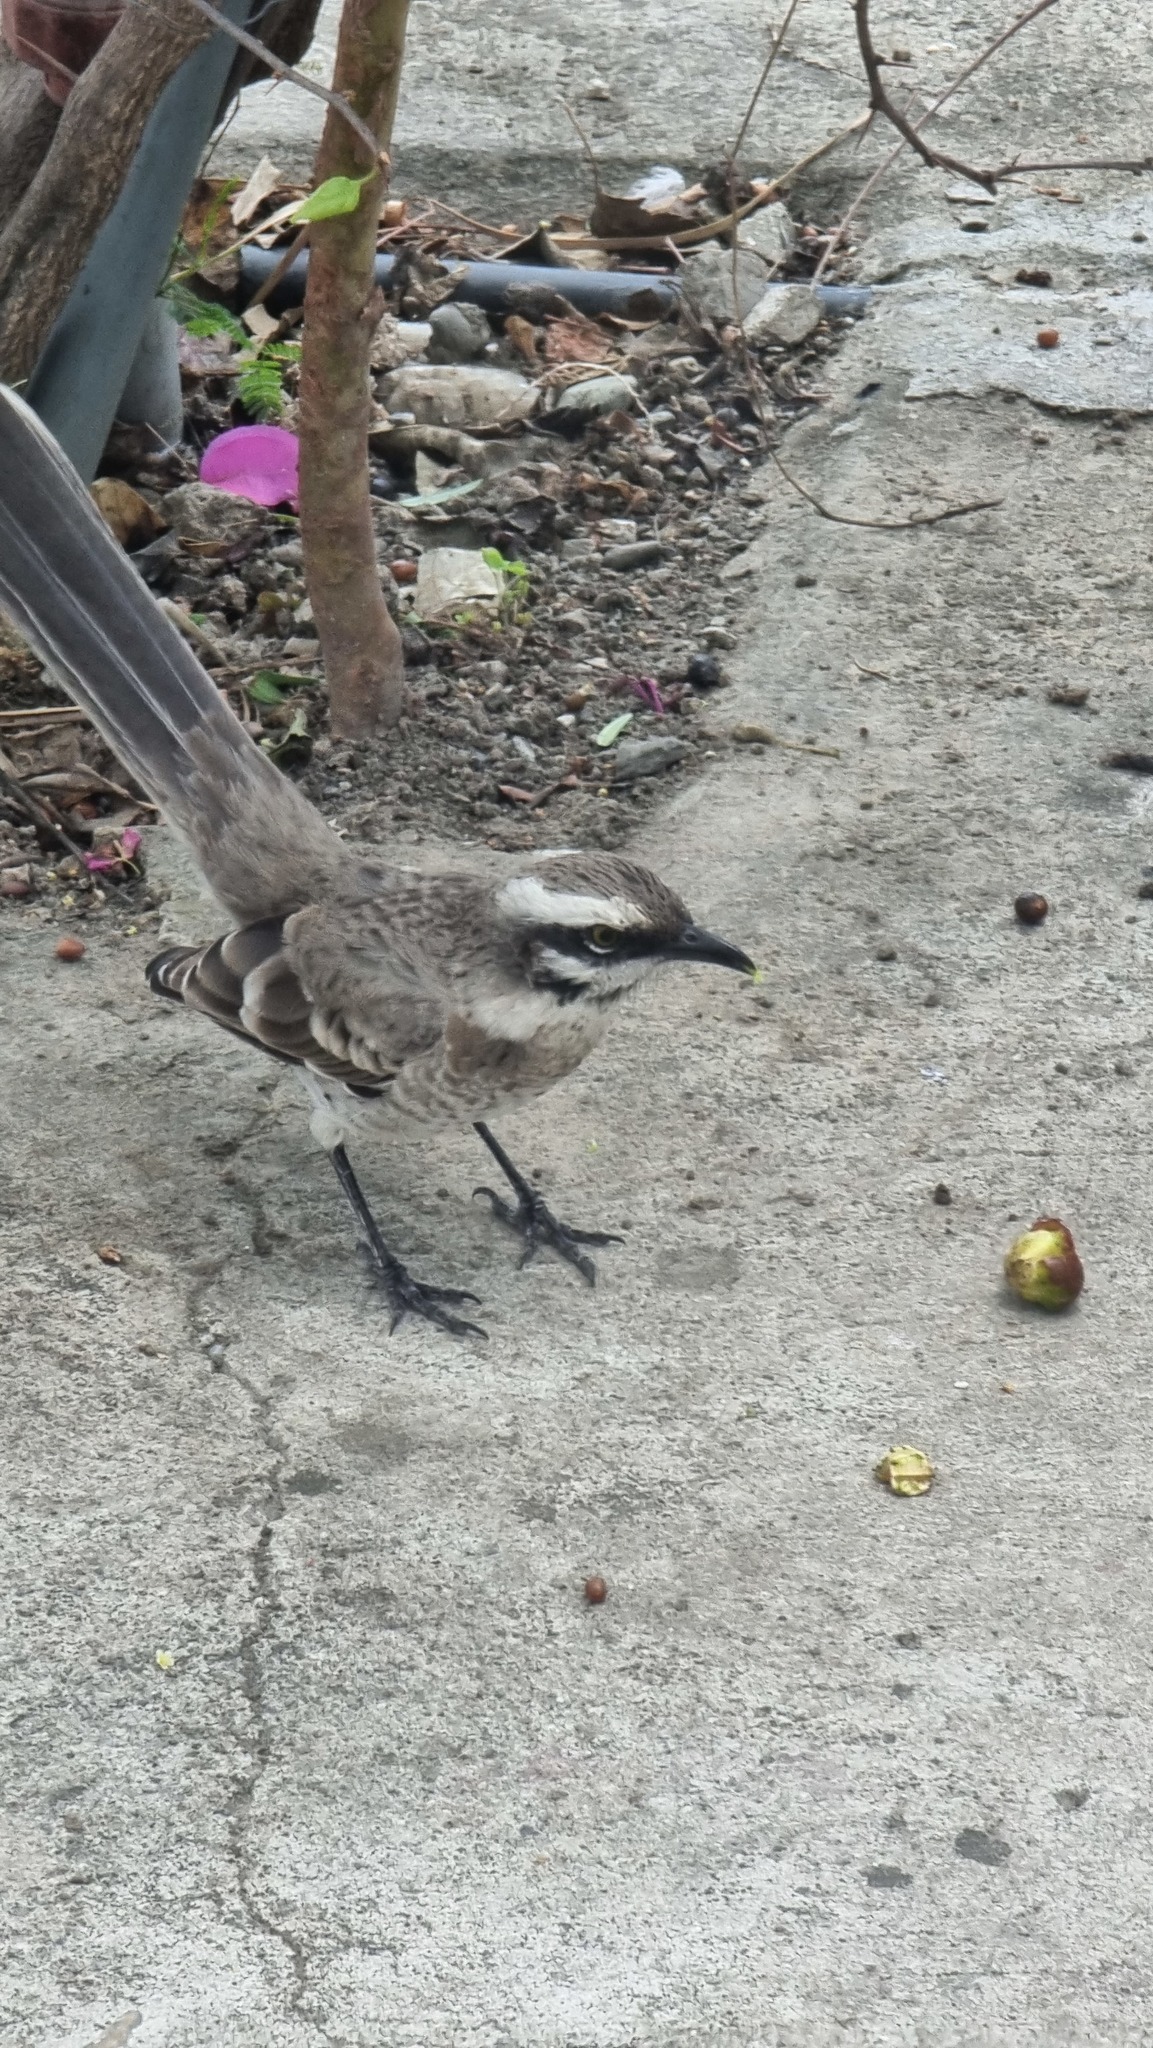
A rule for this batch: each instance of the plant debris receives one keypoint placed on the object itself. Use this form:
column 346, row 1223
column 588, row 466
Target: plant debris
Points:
column 602, row 472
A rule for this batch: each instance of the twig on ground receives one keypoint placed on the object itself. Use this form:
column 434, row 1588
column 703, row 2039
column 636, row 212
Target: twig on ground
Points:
column 18, row 795
column 289, row 72
column 886, row 525
column 586, row 145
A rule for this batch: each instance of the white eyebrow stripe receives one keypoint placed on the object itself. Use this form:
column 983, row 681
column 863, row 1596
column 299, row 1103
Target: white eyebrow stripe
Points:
column 527, row 897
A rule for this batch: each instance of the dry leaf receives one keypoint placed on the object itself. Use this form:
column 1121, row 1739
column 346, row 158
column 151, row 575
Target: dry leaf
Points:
column 577, row 340
column 126, row 514
column 522, row 335
column 265, row 179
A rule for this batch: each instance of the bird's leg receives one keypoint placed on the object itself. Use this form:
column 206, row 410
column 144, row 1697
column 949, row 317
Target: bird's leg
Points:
column 532, row 1219
column 406, row 1296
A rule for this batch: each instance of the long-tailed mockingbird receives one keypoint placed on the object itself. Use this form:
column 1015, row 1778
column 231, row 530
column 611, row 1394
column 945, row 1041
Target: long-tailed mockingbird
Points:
column 405, row 1000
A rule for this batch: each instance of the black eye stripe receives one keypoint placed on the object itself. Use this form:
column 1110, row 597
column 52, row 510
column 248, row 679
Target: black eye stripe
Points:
column 638, row 944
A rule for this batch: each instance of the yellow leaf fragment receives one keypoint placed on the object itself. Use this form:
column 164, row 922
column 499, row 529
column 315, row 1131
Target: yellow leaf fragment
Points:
column 905, row 1471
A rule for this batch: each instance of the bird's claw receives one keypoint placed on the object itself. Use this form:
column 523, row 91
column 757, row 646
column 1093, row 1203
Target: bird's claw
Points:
column 407, row 1296
column 532, row 1219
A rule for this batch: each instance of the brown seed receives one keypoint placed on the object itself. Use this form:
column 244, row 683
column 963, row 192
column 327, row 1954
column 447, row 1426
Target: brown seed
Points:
column 1048, row 337
column 1031, row 909
column 70, row 949
column 403, row 572
column 596, row 1591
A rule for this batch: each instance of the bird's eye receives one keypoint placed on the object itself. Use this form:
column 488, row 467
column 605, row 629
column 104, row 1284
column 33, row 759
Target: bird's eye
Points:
column 602, row 938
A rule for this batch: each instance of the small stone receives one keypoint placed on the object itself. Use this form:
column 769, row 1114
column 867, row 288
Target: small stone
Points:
column 943, row 1195
column 886, row 1877
column 16, row 882
column 718, row 636
column 573, row 623
column 594, row 398
column 1031, row 909
column 230, row 594
column 634, row 758
column 457, row 394
column 887, row 951
column 1072, row 694
column 770, row 232
column 634, row 554
column 1048, row 337
column 707, row 284
column 786, row 313
column 596, row 1590
column 201, row 512
column 703, row 671
column 459, row 332
column 69, row 948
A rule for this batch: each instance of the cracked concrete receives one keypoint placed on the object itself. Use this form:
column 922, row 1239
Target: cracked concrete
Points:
column 827, row 1766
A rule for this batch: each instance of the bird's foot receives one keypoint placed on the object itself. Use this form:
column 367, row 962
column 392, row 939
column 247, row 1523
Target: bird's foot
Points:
column 532, row 1219
column 407, row 1296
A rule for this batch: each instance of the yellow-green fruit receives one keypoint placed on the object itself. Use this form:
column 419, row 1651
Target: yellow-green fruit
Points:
column 1043, row 1266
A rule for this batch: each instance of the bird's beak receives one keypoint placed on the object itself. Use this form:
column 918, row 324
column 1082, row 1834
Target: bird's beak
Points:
column 694, row 944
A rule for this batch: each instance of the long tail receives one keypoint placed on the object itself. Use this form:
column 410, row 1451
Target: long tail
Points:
column 81, row 605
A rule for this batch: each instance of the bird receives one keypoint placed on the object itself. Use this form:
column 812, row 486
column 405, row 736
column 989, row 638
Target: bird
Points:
column 405, row 1000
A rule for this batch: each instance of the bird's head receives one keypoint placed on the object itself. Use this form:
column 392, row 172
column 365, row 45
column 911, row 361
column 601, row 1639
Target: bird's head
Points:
column 587, row 927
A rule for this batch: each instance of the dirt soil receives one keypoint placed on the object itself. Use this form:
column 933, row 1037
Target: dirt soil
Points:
column 504, row 740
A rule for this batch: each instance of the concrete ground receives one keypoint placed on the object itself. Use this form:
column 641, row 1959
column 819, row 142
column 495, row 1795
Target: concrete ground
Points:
column 481, row 121
column 828, row 1766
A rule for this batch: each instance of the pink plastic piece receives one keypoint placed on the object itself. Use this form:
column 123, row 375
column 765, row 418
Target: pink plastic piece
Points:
column 258, row 463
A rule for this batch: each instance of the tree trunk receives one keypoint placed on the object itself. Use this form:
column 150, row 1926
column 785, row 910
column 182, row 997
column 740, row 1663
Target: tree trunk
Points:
column 49, row 235
column 363, row 658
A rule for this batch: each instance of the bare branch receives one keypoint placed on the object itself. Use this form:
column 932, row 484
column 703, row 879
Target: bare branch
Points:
column 962, row 78
column 887, row 525
column 288, row 71
column 770, row 60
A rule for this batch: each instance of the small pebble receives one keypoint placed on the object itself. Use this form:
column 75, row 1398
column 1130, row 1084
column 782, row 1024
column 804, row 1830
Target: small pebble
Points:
column 70, row 949
column 1031, row 909
column 596, row 1591
column 403, row 572
column 1048, row 337
column 943, row 1195
column 703, row 672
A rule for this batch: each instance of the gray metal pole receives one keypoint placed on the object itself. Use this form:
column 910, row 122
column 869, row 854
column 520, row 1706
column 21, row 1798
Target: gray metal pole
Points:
column 85, row 364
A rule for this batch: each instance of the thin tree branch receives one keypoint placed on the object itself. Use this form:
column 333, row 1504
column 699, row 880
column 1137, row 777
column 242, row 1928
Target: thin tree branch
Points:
column 770, row 60
column 278, row 66
column 882, row 103
column 586, row 145
column 887, row 525
column 962, row 78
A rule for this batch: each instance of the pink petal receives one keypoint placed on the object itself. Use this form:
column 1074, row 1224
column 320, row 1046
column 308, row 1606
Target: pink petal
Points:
column 258, row 463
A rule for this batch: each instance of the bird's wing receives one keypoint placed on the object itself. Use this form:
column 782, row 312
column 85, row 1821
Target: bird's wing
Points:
column 247, row 982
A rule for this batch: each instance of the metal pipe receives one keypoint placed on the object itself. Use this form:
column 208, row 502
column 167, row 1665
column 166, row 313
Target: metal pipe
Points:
column 488, row 285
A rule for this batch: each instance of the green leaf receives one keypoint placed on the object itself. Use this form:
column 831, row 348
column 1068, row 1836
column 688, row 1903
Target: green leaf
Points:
column 442, row 496
column 335, row 196
column 613, row 730
column 269, row 685
column 264, row 688
column 291, row 747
